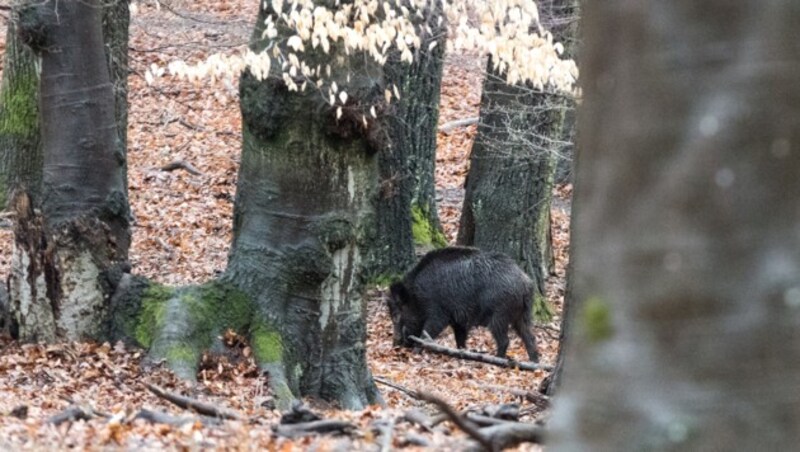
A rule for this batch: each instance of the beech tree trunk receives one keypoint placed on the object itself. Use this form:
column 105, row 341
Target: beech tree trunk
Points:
column 67, row 261
column 406, row 210
column 686, row 248
column 20, row 141
column 512, row 164
column 304, row 205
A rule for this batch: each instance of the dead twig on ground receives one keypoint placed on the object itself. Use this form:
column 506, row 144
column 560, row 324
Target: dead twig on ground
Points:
column 449, row 126
column 193, row 405
column 309, row 428
column 479, row 357
column 409, row 392
column 181, row 164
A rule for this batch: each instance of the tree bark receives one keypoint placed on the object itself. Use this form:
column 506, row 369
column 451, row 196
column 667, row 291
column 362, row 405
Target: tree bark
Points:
column 512, row 164
column 116, row 21
column 406, row 207
column 20, row 140
column 68, row 260
column 304, row 203
column 686, row 250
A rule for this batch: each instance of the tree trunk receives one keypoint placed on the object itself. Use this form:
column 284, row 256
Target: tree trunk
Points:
column 512, row 164
column 304, row 203
column 20, row 141
column 406, row 208
column 67, row 261
column 116, row 21
column 686, row 251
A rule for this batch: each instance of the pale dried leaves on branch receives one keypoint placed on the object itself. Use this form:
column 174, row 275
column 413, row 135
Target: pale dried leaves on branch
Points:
column 507, row 30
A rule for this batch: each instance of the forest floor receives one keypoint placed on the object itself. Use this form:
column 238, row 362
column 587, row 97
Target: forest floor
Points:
column 182, row 231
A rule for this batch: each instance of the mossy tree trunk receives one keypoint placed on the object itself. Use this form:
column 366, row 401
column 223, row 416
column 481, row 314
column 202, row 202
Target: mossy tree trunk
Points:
column 68, row 259
column 686, row 251
column 304, row 206
column 406, row 205
column 512, row 163
column 20, row 141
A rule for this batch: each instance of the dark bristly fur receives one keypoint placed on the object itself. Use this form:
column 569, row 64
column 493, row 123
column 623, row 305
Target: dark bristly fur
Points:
column 464, row 288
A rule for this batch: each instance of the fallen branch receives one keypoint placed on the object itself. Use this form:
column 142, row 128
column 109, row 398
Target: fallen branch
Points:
column 480, row 357
column 486, row 421
column 159, row 417
column 308, row 428
column 467, row 426
column 409, row 392
column 541, row 401
column 416, row 416
column 510, row 434
column 192, row 404
column 449, row 126
column 386, row 428
column 71, row 414
column 181, row 164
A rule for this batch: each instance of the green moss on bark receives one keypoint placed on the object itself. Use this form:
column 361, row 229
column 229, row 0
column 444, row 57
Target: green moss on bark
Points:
column 152, row 315
column 267, row 344
column 423, row 230
column 542, row 311
column 182, row 355
column 20, row 106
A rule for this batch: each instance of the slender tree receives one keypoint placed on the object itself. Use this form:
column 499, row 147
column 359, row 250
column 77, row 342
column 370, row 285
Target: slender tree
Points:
column 406, row 205
column 68, row 258
column 512, row 163
column 686, row 251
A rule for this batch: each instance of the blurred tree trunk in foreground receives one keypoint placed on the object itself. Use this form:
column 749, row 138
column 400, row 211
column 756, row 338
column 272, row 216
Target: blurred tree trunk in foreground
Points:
column 687, row 253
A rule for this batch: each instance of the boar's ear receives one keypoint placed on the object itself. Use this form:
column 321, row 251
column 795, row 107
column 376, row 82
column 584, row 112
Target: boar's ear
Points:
column 399, row 293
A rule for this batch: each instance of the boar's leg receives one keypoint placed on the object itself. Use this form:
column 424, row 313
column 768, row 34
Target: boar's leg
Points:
column 523, row 329
column 461, row 335
column 500, row 333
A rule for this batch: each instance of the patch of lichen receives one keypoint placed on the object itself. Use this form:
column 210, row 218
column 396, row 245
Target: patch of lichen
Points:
column 596, row 319
column 423, row 230
column 152, row 314
column 267, row 344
